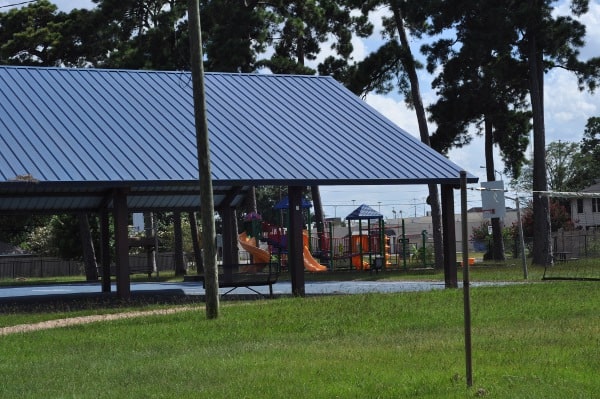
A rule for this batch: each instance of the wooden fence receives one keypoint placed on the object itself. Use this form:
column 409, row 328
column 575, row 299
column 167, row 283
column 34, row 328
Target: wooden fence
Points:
column 27, row 266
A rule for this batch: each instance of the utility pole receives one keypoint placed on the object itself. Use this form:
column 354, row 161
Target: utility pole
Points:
column 207, row 206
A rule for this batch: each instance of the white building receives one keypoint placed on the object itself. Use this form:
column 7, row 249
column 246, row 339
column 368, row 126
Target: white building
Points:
column 585, row 211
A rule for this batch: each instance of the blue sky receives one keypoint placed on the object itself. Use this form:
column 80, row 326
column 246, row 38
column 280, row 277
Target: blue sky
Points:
column 566, row 112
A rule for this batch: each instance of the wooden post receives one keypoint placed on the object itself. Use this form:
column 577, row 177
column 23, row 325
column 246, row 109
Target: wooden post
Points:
column 211, row 276
column 105, row 250
column 449, row 237
column 227, row 214
column 466, row 282
column 121, row 244
column 295, row 242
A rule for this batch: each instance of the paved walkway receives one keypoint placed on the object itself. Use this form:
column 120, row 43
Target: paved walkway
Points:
column 195, row 288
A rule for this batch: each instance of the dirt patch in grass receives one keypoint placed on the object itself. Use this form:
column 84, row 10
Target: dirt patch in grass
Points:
column 71, row 321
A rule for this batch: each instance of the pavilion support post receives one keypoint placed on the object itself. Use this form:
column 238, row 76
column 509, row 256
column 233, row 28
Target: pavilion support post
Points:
column 121, row 217
column 105, row 250
column 229, row 249
column 295, row 242
column 449, row 237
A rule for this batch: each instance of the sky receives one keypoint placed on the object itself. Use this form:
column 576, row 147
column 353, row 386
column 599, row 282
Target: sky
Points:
column 566, row 112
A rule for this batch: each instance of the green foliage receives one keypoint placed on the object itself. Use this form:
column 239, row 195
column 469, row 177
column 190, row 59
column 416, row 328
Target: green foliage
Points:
column 15, row 229
column 586, row 162
column 31, row 35
column 166, row 233
column 424, row 255
column 480, row 232
column 560, row 218
column 392, row 65
column 61, row 237
column 481, row 82
column 235, row 33
column 529, row 340
column 570, row 166
column 561, row 160
column 302, row 27
column 380, row 72
column 145, row 34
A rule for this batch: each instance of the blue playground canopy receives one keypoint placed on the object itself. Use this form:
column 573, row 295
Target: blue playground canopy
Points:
column 285, row 203
column 364, row 212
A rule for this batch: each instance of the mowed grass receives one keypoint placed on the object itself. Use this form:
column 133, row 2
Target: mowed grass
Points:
column 537, row 340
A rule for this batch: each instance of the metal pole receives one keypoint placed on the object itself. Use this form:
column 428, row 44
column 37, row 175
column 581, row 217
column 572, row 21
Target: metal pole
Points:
column 331, row 249
column 466, row 293
column 522, row 239
column 404, row 247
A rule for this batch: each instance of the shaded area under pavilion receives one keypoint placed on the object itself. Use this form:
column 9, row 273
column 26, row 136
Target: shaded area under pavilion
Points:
column 121, row 141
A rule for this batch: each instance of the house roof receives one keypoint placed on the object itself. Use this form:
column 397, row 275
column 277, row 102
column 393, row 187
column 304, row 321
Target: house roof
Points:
column 70, row 136
column 594, row 188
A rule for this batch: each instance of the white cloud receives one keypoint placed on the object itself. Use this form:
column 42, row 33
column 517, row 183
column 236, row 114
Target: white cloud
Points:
column 396, row 111
column 566, row 107
column 591, row 20
column 62, row 5
column 358, row 53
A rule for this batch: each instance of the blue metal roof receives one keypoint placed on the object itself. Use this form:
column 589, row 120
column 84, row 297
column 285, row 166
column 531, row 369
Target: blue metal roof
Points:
column 93, row 129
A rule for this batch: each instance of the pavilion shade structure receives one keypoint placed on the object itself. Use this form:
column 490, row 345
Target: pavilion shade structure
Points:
column 70, row 136
column 122, row 141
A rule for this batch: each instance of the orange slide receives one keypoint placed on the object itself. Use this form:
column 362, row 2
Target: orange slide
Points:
column 249, row 244
column 262, row 256
column 359, row 264
column 310, row 263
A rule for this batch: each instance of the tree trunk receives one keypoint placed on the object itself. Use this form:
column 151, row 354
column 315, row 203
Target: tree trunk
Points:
column 180, row 268
column 542, row 242
column 252, row 200
column 89, row 255
column 497, row 240
column 196, row 242
column 319, row 215
column 151, row 251
column 433, row 199
column 211, row 276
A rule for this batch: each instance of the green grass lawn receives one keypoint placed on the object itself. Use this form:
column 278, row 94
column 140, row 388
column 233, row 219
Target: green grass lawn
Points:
column 537, row 340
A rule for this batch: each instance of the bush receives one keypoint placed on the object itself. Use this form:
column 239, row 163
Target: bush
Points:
column 480, row 233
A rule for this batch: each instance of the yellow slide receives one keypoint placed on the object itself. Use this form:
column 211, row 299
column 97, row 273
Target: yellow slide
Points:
column 259, row 255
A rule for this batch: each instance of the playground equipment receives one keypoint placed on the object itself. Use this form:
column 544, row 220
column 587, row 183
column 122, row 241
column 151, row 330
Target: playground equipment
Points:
column 276, row 238
column 310, row 263
column 366, row 245
column 358, row 245
column 260, row 257
column 249, row 245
